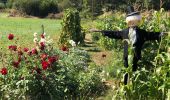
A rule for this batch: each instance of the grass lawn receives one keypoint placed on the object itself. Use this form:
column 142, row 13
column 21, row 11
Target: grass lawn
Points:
column 24, row 28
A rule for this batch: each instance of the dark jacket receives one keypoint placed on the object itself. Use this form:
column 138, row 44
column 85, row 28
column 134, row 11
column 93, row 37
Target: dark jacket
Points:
column 141, row 37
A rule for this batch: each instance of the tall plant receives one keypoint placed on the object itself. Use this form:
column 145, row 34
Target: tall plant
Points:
column 71, row 28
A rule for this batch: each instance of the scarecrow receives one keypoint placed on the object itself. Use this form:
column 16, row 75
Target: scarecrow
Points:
column 133, row 37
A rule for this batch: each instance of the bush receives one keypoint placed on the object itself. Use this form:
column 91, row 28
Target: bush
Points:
column 39, row 8
column 47, row 73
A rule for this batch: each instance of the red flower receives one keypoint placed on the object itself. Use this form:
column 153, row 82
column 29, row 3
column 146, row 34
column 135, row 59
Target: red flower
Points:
column 42, row 45
column 34, row 51
column 43, row 56
column 10, row 36
column 15, row 64
column 42, row 36
column 103, row 55
column 13, row 47
column 64, row 48
column 26, row 49
column 4, row 71
column 45, row 65
column 52, row 59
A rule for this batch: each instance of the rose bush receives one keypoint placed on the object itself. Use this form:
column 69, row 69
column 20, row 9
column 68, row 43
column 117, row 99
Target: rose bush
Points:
column 45, row 72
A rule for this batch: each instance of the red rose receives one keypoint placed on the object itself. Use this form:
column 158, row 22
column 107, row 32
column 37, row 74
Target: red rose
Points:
column 4, row 71
column 64, row 48
column 10, row 36
column 34, row 51
column 15, row 64
column 42, row 45
column 52, row 59
column 43, row 56
column 45, row 65
column 13, row 47
column 26, row 49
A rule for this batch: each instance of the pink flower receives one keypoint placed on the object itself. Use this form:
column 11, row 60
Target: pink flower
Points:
column 4, row 71
column 15, row 64
column 45, row 65
column 52, row 59
column 43, row 56
column 10, row 36
column 13, row 47
column 34, row 51
column 26, row 49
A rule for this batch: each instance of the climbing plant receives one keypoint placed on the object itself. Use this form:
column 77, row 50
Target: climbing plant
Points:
column 71, row 28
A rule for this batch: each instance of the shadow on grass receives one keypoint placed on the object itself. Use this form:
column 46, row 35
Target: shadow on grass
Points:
column 94, row 50
column 86, row 45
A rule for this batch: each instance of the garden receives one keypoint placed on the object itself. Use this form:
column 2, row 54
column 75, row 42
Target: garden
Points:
column 49, row 53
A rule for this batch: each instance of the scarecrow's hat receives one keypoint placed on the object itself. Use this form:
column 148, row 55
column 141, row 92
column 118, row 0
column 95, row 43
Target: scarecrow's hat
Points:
column 131, row 11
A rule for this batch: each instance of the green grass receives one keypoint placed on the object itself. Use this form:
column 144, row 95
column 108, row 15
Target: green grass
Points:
column 24, row 28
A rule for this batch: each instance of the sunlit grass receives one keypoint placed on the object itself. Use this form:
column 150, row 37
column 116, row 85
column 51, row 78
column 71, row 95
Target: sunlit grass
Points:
column 23, row 29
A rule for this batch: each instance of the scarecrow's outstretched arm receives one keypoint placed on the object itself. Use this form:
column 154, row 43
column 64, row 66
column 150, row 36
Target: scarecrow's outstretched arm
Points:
column 153, row 35
column 110, row 34
column 113, row 34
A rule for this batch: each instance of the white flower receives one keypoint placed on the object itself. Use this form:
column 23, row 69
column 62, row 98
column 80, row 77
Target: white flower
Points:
column 35, row 40
column 72, row 43
column 35, row 34
column 107, row 74
column 42, row 40
column 103, row 80
column 113, row 87
column 103, row 72
column 44, row 33
column 79, row 42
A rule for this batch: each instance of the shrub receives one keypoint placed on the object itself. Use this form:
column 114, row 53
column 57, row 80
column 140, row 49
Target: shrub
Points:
column 47, row 73
column 37, row 7
column 71, row 28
